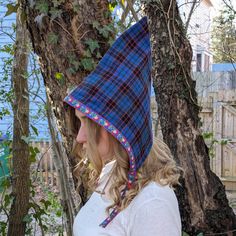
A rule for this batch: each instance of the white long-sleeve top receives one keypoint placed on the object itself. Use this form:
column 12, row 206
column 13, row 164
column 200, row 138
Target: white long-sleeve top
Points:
column 153, row 212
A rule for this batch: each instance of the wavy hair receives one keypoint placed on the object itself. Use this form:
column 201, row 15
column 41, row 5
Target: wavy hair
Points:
column 159, row 167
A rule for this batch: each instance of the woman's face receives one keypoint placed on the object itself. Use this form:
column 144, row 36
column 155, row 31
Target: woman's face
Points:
column 103, row 145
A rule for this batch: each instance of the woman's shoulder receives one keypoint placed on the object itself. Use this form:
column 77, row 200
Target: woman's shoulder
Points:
column 155, row 193
column 153, row 211
column 155, row 190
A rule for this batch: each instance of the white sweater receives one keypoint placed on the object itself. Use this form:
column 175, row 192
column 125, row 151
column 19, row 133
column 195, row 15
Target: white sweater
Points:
column 153, row 212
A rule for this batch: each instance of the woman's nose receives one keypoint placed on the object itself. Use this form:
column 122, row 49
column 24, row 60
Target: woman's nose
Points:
column 81, row 136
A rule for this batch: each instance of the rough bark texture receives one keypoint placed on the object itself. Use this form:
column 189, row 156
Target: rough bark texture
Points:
column 59, row 31
column 20, row 149
column 61, row 165
column 203, row 203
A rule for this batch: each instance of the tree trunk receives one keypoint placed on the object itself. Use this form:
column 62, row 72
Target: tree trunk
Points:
column 59, row 159
column 20, row 148
column 69, row 37
column 203, row 203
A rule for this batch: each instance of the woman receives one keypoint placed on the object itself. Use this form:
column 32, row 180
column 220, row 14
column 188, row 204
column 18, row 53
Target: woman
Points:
column 132, row 173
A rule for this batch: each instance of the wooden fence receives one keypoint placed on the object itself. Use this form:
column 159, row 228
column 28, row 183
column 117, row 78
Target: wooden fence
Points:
column 218, row 116
column 44, row 167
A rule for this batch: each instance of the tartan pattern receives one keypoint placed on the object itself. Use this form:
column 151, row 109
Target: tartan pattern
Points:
column 117, row 95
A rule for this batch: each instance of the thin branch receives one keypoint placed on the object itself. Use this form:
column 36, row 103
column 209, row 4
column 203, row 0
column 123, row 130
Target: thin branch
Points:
column 130, row 4
column 230, row 6
column 190, row 14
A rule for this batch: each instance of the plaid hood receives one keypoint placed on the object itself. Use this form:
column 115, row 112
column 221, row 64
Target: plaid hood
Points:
column 116, row 95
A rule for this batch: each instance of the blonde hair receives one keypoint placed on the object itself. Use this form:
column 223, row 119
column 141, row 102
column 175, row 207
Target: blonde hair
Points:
column 159, row 167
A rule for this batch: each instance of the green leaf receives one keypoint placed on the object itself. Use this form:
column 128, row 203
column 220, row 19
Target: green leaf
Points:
column 87, row 53
column 93, row 44
column 111, row 7
column 26, row 139
column 33, row 153
column 224, row 142
column 98, row 55
column 111, row 40
column 11, row 9
column 76, row 6
column 7, row 200
column 104, row 32
column 207, row 135
column 58, row 213
column 59, row 76
column 71, row 71
column 36, row 150
column 55, row 13
column 7, row 48
column 57, row 3
column 35, row 130
column 200, row 234
column 5, row 183
column 53, row 38
column 75, row 64
column 87, row 63
column 42, row 6
column 27, row 218
column 96, row 25
column 46, row 203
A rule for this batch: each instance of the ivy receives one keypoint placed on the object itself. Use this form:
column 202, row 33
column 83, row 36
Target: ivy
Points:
column 57, row 3
column 111, row 41
column 55, row 13
column 209, row 138
column 4, row 112
column 42, row 6
column 96, row 25
column 88, row 64
column 71, row 71
column 53, row 38
column 76, row 6
column 11, row 8
column 93, row 44
column 98, row 55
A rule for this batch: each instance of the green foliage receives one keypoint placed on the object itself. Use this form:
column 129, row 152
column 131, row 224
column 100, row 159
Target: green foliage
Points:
column 4, row 112
column 88, row 64
column 33, row 153
column 112, row 5
column 42, row 6
column 59, row 76
column 105, row 30
column 54, row 13
column 224, row 37
column 11, row 8
column 53, row 38
column 209, row 138
column 73, row 61
column 35, row 130
column 93, row 44
column 8, row 48
column 57, row 3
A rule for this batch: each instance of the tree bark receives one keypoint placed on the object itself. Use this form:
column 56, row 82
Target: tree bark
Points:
column 203, row 203
column 59, row 158
column 20, row 148
column 69, row 37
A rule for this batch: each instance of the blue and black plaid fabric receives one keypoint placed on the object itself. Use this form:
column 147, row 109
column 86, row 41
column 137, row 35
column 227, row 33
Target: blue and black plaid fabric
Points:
column 116, row 94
